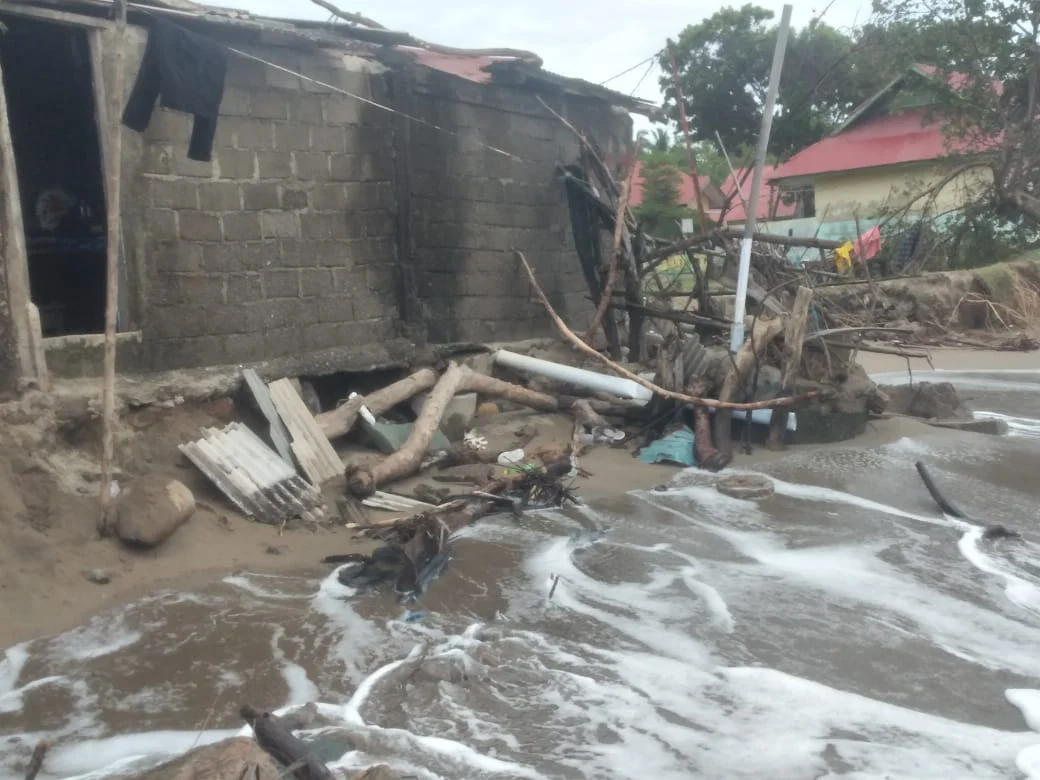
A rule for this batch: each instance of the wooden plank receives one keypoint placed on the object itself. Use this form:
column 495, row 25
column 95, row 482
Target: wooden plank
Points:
column 113, row 242
column 16, row 262
column 43, row 377
column 278, row 432
column 60, row 17
column 312, row 449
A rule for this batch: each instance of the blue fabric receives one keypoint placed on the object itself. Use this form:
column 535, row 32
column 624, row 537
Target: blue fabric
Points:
column 676, row 447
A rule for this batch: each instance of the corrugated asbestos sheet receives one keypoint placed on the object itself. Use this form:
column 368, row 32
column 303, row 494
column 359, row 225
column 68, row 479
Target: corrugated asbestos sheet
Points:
column 253, row 476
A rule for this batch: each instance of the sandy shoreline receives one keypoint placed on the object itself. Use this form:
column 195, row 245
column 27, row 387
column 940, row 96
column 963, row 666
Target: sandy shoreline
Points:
column 43, row 591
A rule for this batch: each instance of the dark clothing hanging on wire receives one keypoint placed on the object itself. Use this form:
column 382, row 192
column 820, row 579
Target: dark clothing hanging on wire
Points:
column 186, row 72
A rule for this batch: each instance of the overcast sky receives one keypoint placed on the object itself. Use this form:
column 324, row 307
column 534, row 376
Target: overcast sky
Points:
column 589, row 39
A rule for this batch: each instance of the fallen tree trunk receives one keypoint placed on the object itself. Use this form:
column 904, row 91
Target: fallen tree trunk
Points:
column 364, row 481
column 472, row 382
column 36, row 762
column 586, row 416
column 340, row 421
column 708, row 457
column 769, row 238
column 944, row 503
column 750, row 354
column 286, row 749
column 794, row 338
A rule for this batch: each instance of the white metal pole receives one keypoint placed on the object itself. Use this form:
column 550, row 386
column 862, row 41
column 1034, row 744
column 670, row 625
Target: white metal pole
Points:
column 737, row 333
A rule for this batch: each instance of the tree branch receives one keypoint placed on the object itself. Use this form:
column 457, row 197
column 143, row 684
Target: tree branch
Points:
column 615, row 253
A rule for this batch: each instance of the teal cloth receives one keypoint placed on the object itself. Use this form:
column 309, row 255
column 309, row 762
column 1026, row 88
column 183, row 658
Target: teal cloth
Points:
column 676, row 447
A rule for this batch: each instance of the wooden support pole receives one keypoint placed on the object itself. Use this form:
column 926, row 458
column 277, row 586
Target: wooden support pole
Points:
column 794, row 338
column 615, row 252
column 701, row 211
column 112, row 200
column 748, row 356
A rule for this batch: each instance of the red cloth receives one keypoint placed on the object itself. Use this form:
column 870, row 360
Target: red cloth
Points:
column 868, row 245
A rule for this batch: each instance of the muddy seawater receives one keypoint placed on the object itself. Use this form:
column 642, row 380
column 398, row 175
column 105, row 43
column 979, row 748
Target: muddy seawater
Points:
column 842, row 628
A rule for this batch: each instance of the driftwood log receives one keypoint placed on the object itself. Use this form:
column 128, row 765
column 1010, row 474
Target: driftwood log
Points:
column 586, row 416
column 283, row 746
column 341, row 420
column 36, row 761
column 770, row 238
column 708, row 457
column 749, row 354
column 364, row 481
column 474, row 382
column 794, row 338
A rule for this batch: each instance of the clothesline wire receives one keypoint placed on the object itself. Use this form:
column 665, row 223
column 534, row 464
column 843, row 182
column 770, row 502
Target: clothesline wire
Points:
column 628, row 70
column 642, row 78
column 369, row 102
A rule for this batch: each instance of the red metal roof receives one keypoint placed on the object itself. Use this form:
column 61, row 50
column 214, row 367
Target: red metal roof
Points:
column 882, row 140
column 886, row 139
column 467, row 66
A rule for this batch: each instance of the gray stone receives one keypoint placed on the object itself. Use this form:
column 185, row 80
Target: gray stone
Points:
column 926, row 400
column 97, row 576
column 151, row 509
column 231, row 759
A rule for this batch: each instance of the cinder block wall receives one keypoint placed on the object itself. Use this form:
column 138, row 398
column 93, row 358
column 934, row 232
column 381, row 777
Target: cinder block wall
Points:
column 473, row 206
column 283, row 244
column 296, row 239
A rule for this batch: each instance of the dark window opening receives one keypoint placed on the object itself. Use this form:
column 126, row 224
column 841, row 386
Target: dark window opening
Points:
column 50, row 101
column 804, row 200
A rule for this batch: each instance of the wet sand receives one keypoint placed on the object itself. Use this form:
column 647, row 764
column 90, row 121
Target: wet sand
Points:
column 684, row 626
column 43, row 591
column 952, row 360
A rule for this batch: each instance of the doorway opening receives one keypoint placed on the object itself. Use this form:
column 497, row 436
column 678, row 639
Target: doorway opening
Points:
column 49, row 87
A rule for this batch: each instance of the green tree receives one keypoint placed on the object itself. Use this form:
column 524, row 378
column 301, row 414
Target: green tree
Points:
column 660, row 212
column 724, row 63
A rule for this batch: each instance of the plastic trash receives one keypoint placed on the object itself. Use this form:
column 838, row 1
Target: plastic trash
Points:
column 603, row 435
column 676, row 447
column 512, row 458
column 475, row 440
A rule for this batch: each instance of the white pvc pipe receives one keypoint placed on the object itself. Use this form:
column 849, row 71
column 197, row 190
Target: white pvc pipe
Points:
column 763, row 416
column 736, row 337
column 590, row 380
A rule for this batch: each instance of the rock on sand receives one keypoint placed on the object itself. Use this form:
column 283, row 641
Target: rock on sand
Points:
column 151, row 509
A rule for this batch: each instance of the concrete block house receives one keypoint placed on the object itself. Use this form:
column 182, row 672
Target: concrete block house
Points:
column 364, row 196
